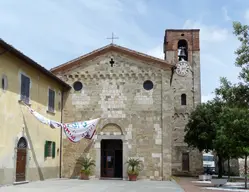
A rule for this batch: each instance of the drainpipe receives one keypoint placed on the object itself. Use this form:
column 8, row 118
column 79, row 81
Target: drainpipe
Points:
column 162, row 130
column 62, row 107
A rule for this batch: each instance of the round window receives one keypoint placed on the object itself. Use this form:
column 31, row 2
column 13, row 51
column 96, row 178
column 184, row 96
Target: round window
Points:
column 77, row 86
column 148, row 85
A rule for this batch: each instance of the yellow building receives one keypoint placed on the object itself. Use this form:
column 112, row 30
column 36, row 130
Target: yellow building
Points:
column 29, row 150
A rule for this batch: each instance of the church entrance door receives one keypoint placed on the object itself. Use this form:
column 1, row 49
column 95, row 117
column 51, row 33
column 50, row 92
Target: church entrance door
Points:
column 111, row 158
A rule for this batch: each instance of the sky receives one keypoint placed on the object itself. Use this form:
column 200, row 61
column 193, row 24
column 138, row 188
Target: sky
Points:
column 53, row 32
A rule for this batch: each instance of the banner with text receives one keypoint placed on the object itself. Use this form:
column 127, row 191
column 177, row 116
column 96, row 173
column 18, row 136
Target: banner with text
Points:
column 74, row 131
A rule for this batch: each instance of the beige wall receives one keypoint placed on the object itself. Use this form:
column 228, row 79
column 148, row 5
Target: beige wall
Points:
column 16, row 121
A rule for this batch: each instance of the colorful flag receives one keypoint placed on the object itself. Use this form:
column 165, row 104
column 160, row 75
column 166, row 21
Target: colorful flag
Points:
column 74, row 131
column 78, row 130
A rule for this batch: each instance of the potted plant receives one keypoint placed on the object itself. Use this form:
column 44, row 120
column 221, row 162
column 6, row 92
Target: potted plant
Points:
column 134, row 167
column 87, row 164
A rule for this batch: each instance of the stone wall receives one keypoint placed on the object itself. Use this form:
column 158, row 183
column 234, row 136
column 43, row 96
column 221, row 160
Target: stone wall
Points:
column 189, row 85
column 146, row 118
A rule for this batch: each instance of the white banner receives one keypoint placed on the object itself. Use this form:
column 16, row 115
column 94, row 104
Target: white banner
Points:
column 74, row 131
column 78, row 130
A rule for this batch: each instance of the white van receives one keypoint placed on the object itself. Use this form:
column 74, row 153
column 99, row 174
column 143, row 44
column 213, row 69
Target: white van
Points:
column 208, row 163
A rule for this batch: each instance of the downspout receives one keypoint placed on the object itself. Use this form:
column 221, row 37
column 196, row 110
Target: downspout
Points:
column 62, row 107
column 162, row 123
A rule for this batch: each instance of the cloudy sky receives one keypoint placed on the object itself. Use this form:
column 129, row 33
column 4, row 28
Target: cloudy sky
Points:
column 54, row 31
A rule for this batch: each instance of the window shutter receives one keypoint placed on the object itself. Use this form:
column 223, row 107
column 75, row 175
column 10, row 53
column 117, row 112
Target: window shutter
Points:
column 46, row 149
column 23, row 87
column 51, row 96
column 27, row 88
column 53, row 150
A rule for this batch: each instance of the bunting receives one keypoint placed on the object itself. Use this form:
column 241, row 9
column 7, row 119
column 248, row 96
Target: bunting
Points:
column 74, row 131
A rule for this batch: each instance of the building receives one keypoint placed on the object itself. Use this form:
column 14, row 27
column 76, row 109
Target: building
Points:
column 29, row 150
column 144, row 104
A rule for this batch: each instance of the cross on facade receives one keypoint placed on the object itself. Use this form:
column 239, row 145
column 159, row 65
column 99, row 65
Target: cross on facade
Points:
column 112, row 38
column 112, row 62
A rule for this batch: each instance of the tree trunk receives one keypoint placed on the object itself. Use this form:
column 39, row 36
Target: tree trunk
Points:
column 220, row 170
column 228, row 168
column 246, row 172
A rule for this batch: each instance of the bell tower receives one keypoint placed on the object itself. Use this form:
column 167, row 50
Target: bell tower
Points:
column 184, row 45
column 182, row 49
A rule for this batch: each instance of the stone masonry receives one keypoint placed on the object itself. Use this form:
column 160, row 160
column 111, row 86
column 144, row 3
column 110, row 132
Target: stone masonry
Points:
column 149, row 122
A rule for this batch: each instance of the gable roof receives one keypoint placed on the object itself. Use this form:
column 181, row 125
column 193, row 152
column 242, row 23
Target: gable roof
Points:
column 108, row 48
column 20, row 55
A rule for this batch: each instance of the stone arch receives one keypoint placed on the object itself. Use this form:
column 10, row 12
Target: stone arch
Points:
column 111, row 129
column 19, row 136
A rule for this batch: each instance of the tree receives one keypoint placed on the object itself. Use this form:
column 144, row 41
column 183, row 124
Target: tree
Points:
column 234, row 118
column 203, row 130
column 242, row 60
column 236, row 127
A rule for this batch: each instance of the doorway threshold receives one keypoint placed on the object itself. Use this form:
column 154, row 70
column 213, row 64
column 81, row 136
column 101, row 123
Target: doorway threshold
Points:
column 110, row 178
column 20, row 182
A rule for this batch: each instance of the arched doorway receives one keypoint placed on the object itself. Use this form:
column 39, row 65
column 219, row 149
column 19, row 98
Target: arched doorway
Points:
column 21, row 155
column 111, row 158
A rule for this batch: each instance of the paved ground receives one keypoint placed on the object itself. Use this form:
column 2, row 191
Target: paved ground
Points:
column 75, row 185
column 188, row 186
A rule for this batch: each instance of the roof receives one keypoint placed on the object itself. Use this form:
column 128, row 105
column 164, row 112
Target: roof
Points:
column 19, row 54
column 108, row 48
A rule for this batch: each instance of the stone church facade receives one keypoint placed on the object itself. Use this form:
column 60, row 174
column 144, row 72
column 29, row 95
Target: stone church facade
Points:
column 144, row 104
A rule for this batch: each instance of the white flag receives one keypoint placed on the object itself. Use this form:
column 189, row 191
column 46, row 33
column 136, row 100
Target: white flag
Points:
column 78, row 130
column 74, row 131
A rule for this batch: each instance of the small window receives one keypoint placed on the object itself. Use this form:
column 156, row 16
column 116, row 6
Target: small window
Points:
column 77, row 86
column 183, row 99
column 185, row 161
column 51, row 99
column 49, row 149
column 4, row 82
column 25, row 88
column 148, row 85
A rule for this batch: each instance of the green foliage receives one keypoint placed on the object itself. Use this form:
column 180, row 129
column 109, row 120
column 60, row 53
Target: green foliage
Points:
column 242, row 60
column 202, row 126
column 222, row 124
column 87, row 164
column 134, row 166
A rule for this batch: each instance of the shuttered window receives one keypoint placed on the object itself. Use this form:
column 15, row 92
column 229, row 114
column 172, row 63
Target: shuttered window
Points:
column 51, row 100
column 49, row 149
column 25, row 88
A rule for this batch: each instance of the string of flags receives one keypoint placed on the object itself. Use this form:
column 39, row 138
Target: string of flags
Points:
column 74, row 131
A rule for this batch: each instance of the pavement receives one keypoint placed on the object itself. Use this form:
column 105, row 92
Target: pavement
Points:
column 75, row 185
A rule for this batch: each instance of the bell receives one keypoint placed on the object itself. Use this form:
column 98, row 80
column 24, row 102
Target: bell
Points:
column 182, row 53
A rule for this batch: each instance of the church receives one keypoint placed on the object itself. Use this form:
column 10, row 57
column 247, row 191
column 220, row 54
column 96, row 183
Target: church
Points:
column 143, row 102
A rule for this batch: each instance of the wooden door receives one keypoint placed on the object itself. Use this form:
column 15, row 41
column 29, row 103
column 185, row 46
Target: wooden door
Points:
column 185, row 161
column 108, row 163
column 21, row 156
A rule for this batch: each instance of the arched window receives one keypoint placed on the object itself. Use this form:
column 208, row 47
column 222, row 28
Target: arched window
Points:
column 183, row 99
column 182, row 50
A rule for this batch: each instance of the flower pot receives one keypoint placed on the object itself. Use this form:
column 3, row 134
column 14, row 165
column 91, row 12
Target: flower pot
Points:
column 132, row 177
column 83, row 176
